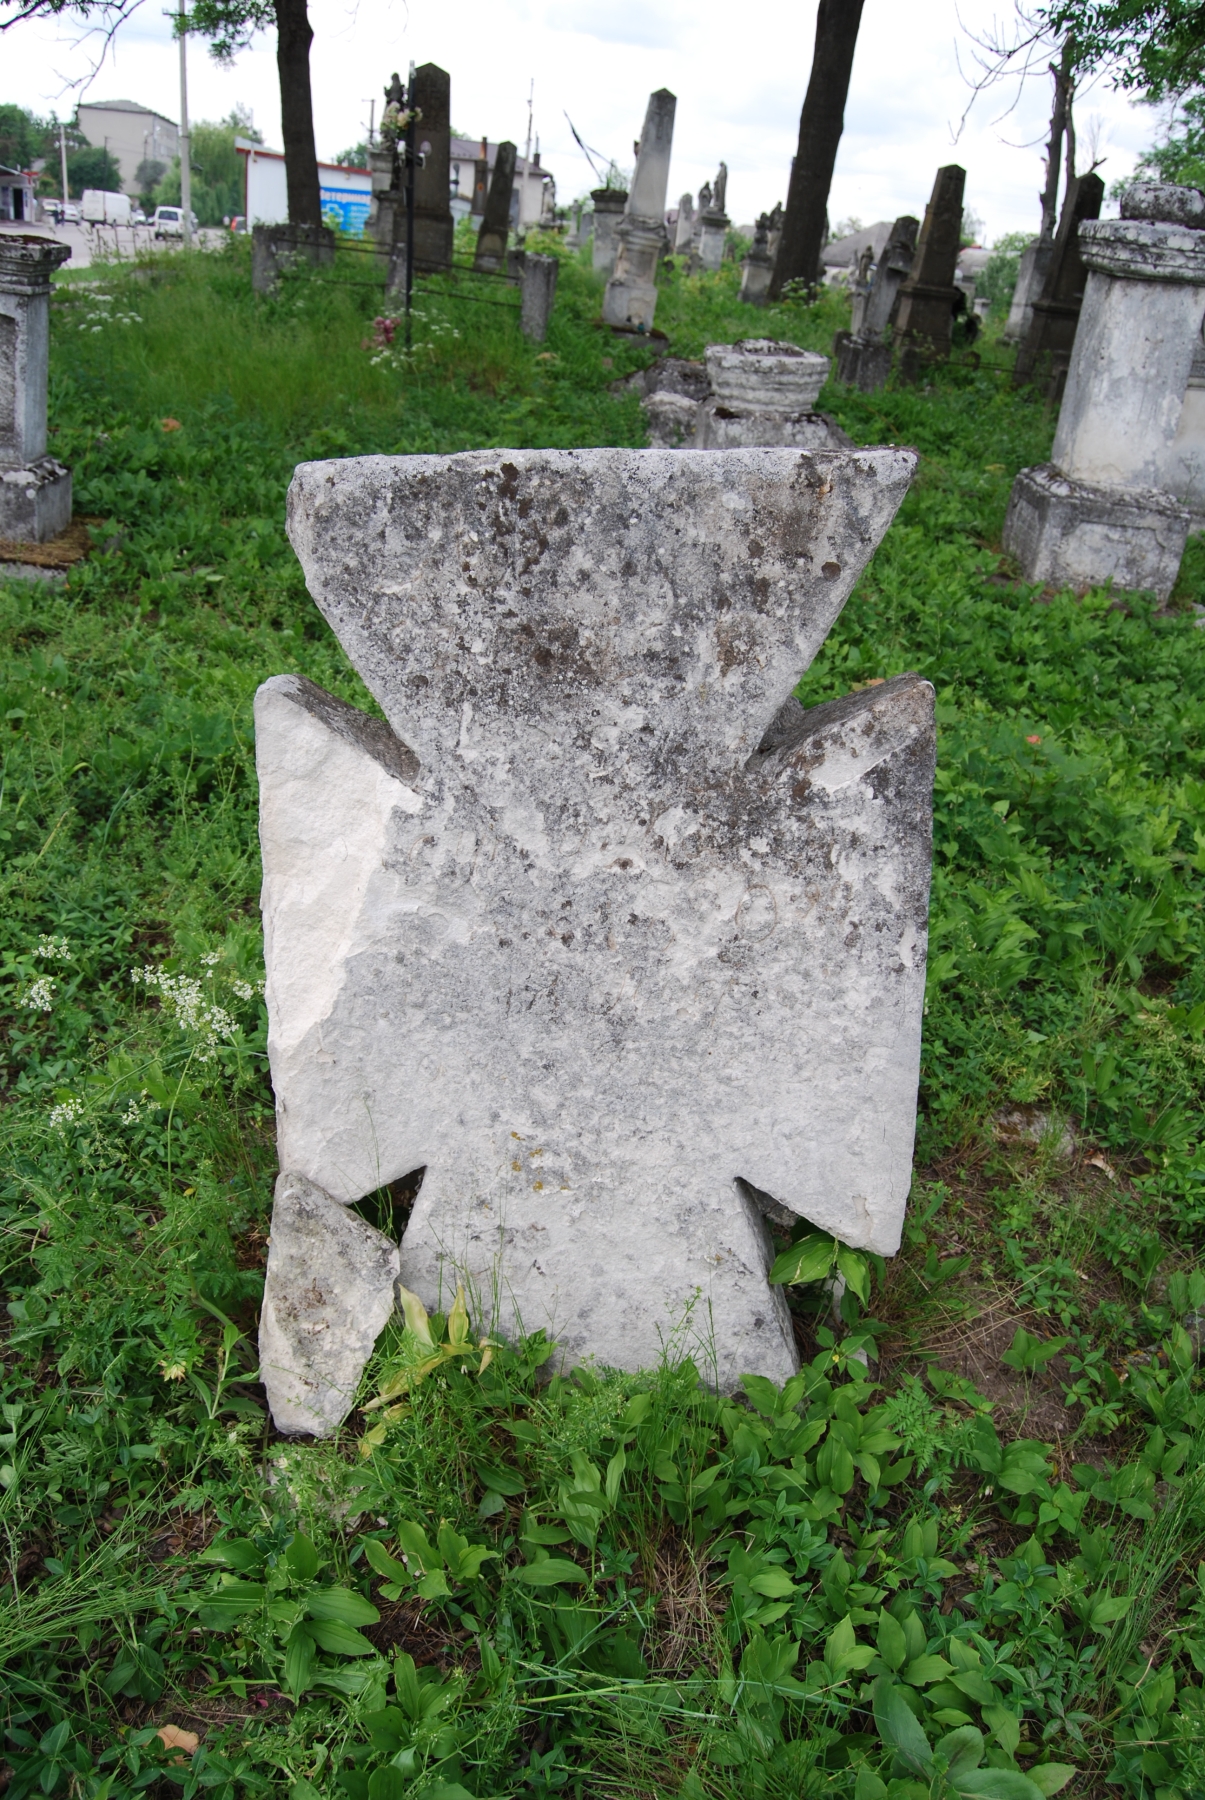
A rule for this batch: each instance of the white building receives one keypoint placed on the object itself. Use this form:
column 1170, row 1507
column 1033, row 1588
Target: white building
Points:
column 132, row 135
column 346, row 193
column 16, row 195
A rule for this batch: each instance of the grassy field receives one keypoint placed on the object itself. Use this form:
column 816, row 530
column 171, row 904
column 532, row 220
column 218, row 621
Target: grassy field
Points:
column 974, row 1565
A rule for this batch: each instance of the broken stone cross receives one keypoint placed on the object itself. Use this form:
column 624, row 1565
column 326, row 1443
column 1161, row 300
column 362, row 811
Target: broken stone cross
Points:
column 35, row 490
column 601, row 930
column 631, row 293
column 490, row 254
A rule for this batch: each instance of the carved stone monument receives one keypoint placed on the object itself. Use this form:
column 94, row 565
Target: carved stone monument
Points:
column 1103, row 508
column 431, row 96
column 713, row 226
column 1045, row 354
column 864, row 354
column 608, row 210
column 35, row 489
column 537, row 292
column 684, row 229
column 926, row 300
column 490, row 255
column 764, row 392
column 631, row 296
column 275, row 249
column 758, row 266
column 602, row 931
column 1031, row 277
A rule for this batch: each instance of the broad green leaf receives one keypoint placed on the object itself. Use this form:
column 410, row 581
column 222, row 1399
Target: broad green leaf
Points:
column 924, row 1669
column 302, row 1557
column 339, row 1640
column 304, row 1790
column 1004, row 1726
column 1104, row 1612
column 869, row 1787
column 388, row 1783
column 233, row 1601
column 995, row 1784
column 341, row 1606
column 413, row 1540
column 550, row 1572
column 496, row 1478
column 458, row 1323
column 855, row 1270
column 808, row 1260
column 378, row 1558
column 416, row 1317
column 615, row 1470
column 234, row 1553
column 892, row 1644
column 299, row 1661
column 1050, row 1778
column 773, row 1583
column 899, row 1727
column 962, row 1749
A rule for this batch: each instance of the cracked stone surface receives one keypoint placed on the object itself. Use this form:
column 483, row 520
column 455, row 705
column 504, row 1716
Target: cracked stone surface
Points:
column 327, row 1296
column 605, row 923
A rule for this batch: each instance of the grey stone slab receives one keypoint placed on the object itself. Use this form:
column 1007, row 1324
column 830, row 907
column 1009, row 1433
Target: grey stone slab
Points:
column 628, row 932
column 328, row 1294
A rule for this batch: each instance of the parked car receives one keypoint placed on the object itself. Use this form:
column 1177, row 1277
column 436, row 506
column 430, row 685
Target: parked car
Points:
column 168, row 222
column 138, row 217
column 238, row 223
column 61, row 214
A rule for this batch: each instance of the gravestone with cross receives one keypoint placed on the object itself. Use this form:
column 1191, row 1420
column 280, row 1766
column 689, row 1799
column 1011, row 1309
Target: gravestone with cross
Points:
column 598, row 927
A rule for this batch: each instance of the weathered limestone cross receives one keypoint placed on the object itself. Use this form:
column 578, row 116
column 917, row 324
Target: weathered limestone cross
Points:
column 603, row 931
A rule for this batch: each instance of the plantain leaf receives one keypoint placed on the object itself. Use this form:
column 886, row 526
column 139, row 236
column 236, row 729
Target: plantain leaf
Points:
column 810, row 1259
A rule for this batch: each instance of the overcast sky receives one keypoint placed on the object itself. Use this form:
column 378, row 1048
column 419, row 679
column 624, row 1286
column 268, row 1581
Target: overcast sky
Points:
column 739, row 76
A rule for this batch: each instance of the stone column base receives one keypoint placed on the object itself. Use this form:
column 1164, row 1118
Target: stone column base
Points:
column 731, row 428
column 632, row 303
column 756, row 273
column 275, row 248
column 35, row 502
column 863, row 363
column 1070, row 534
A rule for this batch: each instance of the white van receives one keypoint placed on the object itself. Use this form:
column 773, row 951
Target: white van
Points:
column 101, row 208
column 169, row 222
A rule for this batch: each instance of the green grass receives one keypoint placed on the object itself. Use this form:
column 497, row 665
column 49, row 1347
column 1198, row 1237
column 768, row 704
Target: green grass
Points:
column 682, row 1595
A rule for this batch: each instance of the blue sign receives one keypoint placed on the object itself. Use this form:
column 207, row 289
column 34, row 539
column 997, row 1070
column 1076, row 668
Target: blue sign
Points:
column 346, row 209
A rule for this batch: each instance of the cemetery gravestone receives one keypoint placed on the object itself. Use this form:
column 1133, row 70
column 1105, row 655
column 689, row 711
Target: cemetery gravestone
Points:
column 864, row 355
column 537, row 293
column 926, row 299
column 490, row 255
column 713, row 225
column 1046, row 351
column 1185, row 478
column 608, row 210
column 758, row 266
column 1101, row 509
column 631, row 294
column 1031, row 277
column 431, row 96
column 35, row 489
column 764, row 392
column 275, row 249
column 602, row 930
column 684, row 228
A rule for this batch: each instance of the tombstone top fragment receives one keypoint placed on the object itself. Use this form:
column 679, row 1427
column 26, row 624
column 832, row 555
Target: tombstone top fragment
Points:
column 762, row 372
column 658, row 604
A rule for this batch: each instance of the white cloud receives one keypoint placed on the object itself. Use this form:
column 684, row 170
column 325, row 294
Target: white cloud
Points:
column 739, row 77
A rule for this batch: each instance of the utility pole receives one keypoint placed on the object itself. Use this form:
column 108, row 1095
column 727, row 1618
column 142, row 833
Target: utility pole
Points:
column 521, row 230
column 372, row 117
column 185, row 140
column 410, row 160
column 63, row 161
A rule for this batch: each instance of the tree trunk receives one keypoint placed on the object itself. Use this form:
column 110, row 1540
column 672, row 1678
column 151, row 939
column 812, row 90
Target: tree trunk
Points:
column 1054, row 149
column 820, row 126
column 293, row 40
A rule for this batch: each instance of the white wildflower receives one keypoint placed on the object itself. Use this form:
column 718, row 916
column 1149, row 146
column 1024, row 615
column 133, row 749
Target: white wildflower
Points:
column 136, row 1109
column 212, row 958
column 40, row 997
column 183, row 998
column 65, row 1113
column 56, row 948
column 246, row 990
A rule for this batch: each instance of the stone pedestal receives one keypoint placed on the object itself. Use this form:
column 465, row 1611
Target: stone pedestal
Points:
column 431, row 94
column 609, row 204
column 386, row 198
column 1102, row 510
column 926, row 299
column 1045, row 354
column 864, row 355
column 537, row 293
column 35, row 490
column 1031, row 275
column 713, row 232
column 1185, row 478
column 490, row 254
column 757, row 271
column 765, row 393
column 275, row 249
column 631, row 296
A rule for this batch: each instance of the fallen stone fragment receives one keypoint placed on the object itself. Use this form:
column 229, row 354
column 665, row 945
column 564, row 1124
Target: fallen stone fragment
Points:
column 328, row 1294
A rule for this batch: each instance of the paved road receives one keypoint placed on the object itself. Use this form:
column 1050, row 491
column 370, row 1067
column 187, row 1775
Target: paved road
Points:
column 104, row 241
